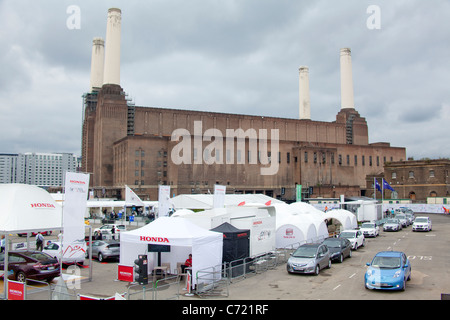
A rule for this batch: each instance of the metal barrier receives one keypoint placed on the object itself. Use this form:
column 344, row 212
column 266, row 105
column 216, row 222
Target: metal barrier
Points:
column 211, row 282
column 163, row 289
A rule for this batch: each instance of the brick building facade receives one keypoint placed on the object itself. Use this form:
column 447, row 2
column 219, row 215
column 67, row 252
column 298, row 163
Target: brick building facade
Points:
column 126, row 144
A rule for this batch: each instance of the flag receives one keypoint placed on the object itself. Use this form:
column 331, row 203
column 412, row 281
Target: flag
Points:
column 387, row 186
column 131, row 198
column 377, row 185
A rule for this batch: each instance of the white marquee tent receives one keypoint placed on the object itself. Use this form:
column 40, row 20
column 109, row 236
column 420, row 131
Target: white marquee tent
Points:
column 27, row 208
column 299, row 222
column 183, row 236
column 345, row 217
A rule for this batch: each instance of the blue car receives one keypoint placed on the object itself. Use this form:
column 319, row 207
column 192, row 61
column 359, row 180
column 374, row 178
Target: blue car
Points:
column 389, row 270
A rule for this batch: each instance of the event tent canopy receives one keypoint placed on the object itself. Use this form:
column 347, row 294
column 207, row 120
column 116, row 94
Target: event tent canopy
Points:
column 28, row 208
column 206, row 201
column 205, row 246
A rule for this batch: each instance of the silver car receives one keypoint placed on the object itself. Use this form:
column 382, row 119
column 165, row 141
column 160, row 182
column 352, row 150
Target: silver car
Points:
column 309, row 258
column 392, row 225
column 104, row 249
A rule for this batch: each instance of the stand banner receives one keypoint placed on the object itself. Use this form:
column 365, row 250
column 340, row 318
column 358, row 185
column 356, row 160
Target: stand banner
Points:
column 75, row 202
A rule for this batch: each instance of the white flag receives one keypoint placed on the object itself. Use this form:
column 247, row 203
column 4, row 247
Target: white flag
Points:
column 131, row 198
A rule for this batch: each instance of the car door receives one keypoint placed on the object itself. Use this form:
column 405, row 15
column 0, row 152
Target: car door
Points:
column 95, row 245
column 407, row 264
column 323, row 261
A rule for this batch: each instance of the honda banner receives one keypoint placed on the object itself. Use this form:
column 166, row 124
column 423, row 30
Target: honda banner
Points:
column 75, row 202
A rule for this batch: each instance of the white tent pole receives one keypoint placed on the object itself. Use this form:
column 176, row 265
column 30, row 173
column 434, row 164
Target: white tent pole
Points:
column 5, row 268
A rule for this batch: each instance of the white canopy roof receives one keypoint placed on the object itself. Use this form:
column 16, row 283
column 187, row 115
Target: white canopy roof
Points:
column 205, row 201
column 27, row 208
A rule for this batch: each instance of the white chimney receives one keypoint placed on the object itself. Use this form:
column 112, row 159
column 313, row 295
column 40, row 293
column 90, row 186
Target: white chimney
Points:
column 347, row 99
column 304, row 100
column 112, row 49
column 97, row 61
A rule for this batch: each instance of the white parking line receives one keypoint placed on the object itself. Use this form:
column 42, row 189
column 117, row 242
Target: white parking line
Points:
column 352, row 275
column 336, row 287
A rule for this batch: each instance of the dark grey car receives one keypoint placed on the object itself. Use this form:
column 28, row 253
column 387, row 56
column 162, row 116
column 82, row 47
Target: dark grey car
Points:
column 104, row 249
column 309, row 258
column 340, row 248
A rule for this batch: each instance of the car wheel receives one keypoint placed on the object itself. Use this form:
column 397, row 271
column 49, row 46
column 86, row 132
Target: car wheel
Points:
column 317, row 270
column 356, row 246
column 21, row 277
column 341, row 258
column 100, row 257
column 404, row 285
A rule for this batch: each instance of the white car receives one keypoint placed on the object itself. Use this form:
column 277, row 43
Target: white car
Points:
column 107, row 228
column 370, row 229
column 422, row 224
column 356, row 238
column 73, row 254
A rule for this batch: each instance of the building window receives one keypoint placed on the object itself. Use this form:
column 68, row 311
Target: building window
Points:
column 306, row 157
column 315, row 157
column 363, row 160
column 411, row 175
column 378, row 161
column 288, row 157
column 348, row 159
column 431, row 173
column 370, row 160
column 394, row 175
column 356, row 160
column 340, row 159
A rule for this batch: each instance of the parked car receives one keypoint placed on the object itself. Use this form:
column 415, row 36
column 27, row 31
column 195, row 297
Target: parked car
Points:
column 370, row 229
column 33, row 265
column 106, row 229
column 389, row 270
column 403, row 220
column 44, row 233
column 340, row 248
column 74, row 254
column 104, row 249
column 422, row 224
column 356, row 238
column 392, row 225
column 309, row 258
column 410, row 217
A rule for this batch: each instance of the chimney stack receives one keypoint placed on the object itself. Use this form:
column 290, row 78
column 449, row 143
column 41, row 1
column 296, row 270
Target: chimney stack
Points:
column 347, row 99
column 97, row 61
column 304, row 100
column 112, row 49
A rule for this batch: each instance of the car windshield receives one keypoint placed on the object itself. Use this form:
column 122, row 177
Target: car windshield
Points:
column 386, row 262
column 347, row 235
column 368, row 225
column 332, row 243
column 400, row 216
column 421, row 220
column 392, row 221
column 305, row 252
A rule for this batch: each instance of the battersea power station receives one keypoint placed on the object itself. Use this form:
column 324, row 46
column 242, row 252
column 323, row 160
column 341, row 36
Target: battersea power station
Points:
column 191, row 151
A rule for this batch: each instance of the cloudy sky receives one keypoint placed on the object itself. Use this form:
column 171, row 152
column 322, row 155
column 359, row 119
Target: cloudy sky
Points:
column 234, row 56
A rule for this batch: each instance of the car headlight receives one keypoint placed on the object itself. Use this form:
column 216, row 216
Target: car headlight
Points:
column 397, row 274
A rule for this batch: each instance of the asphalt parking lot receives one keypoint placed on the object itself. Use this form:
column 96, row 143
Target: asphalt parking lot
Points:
column 427, row 251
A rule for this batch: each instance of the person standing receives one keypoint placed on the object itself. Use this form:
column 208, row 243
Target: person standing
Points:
column 39, row 241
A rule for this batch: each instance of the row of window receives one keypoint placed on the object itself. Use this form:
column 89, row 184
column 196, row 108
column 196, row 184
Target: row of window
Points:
column 411, row 174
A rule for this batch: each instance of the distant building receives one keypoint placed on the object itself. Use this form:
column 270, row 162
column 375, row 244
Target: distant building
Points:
column 40, row 169
column 418, row 179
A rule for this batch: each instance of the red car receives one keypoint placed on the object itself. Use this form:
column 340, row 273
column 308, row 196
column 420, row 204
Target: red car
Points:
column 33, row 265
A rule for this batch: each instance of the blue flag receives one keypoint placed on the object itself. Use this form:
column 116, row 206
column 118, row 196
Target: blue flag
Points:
column 377, row 185
column 387, row 186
